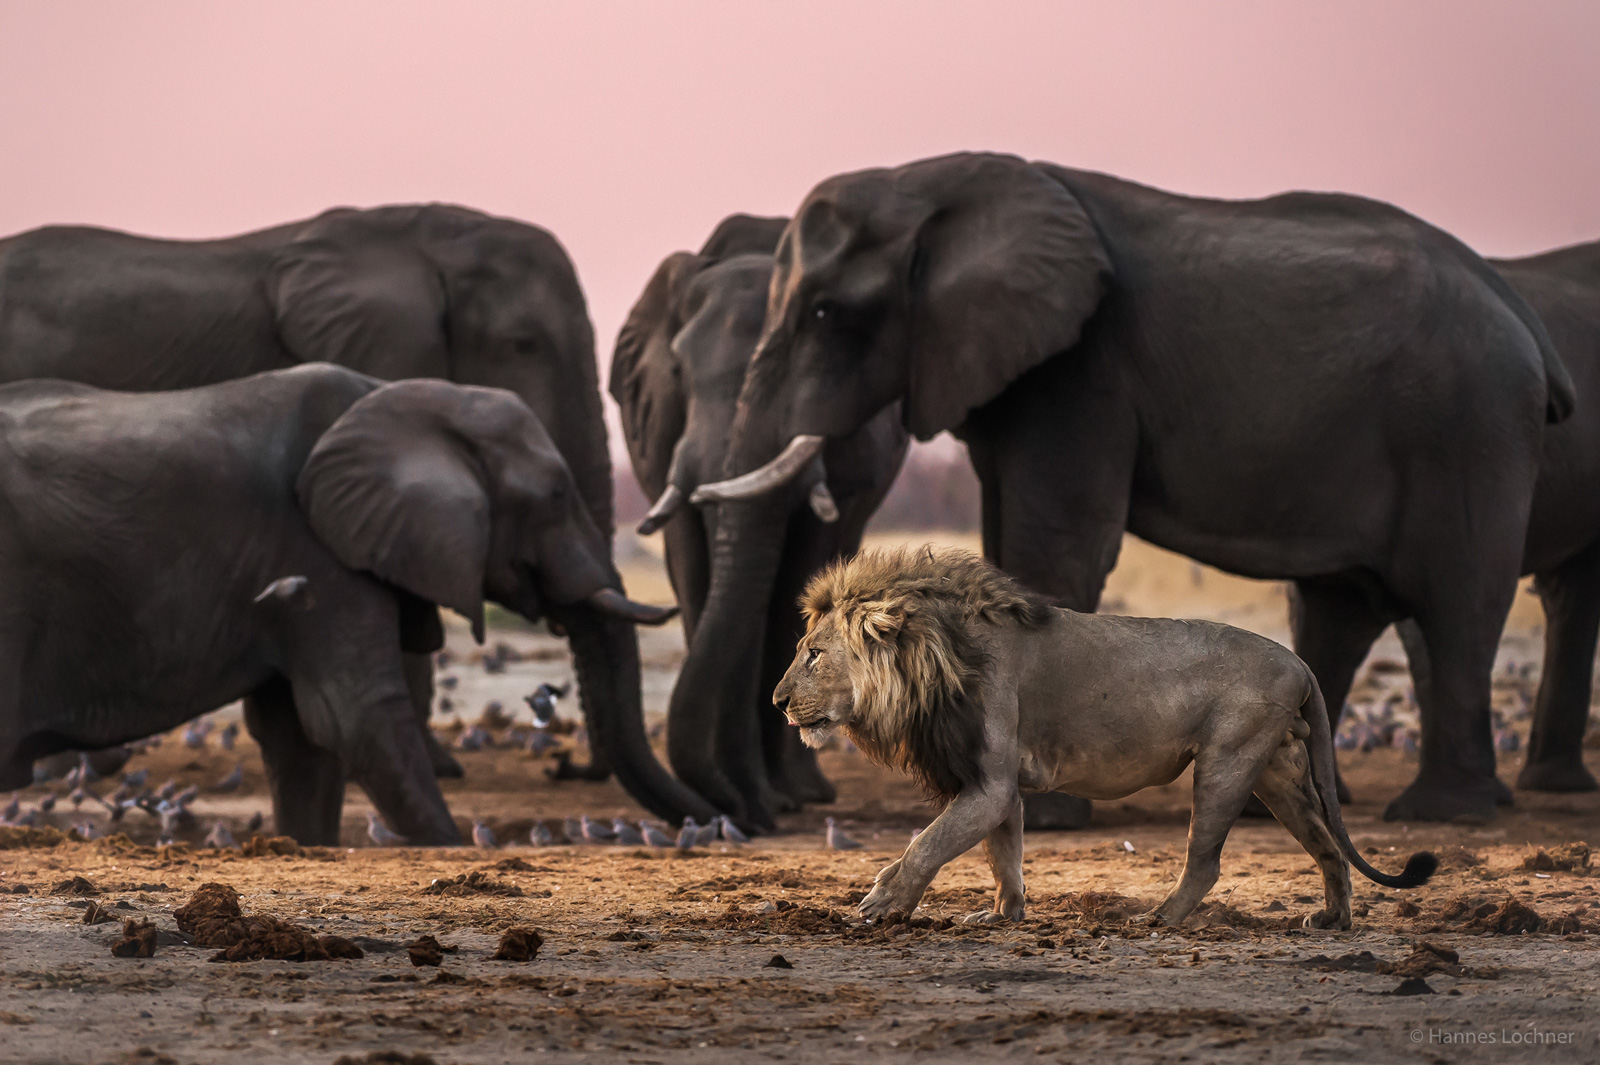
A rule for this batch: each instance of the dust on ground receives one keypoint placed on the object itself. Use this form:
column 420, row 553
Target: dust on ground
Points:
column 754, row 952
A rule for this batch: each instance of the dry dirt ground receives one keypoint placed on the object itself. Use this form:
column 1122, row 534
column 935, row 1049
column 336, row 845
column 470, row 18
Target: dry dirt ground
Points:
column 666, row 956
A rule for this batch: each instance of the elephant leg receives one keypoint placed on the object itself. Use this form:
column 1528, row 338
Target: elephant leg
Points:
column 419, row 680
column 1334, row 622
column 1456, row 779
column 306, row 781
column 598, row 767
column 791, row 766
column 1422, row 684
column 1571, row 597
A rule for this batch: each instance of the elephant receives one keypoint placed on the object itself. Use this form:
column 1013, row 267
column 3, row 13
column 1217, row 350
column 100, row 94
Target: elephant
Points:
column 1312, row 387
column 281, row 539
column 1562, row 549
column 678, row 366
column 400, row 291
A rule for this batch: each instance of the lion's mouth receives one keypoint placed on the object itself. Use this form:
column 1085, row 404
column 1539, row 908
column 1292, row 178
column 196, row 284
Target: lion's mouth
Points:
column 803, row 719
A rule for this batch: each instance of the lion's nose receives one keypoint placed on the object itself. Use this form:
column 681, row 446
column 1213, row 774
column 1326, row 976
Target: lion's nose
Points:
column 781, row 702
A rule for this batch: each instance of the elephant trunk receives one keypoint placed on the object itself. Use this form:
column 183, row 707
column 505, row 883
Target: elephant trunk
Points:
column 605, row 653
column 713, row 740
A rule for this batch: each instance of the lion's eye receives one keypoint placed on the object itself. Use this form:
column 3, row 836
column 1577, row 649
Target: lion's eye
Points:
column 812, row 656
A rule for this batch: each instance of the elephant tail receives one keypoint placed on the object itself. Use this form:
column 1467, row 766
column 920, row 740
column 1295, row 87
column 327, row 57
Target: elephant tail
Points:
column 1419, row 867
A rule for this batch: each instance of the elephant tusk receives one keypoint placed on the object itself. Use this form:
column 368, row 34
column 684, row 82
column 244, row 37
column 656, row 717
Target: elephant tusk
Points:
column 664, row 509
column 775, row 474
column 611, row 601
column 822, row 504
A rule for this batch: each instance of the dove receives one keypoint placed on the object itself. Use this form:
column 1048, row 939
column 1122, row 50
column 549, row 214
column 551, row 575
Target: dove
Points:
column 493, row 718
column 379, row 833
column 87, row 830
column 166, row 839
column 74, row 776
column 229, row 735
column 282, row 588
column 79, row 796
column 540, row 741
column 627, row 835
column 187, row 795
column 254, row 824
column 543, row 701
column 27, row 820
column 689, row 834
column 572, row 828
column 472, row 738
column 1507, row 742
column 541, row 836
column 730, row 831
column 41, row 775
column 232, row 781
column 195, row 735
column 86, row 772
column 115, row 810
column 483, row 835
column 653, row 836
column 219, row 837
column 167, row 790
column 837, row 840
column 594, row 831
column 13, row 808
column 706, row 835
column 47, row 803
column 449, row 681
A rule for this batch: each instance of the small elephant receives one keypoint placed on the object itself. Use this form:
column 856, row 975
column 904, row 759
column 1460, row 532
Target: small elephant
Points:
column 679, row 363
column 283, row 538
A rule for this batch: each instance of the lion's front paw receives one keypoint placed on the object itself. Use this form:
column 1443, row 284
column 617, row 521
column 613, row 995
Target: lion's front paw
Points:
column 1327, row 920
column 888, row 895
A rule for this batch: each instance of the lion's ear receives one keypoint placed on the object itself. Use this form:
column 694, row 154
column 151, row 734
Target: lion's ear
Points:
column 882, row 621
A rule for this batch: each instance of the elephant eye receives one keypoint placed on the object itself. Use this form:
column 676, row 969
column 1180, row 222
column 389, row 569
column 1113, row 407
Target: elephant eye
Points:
column 822, row 311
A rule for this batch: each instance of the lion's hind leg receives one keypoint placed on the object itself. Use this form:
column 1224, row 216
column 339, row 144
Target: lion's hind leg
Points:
column 1003, row 846
column 1287, row 789
column 1224, row 771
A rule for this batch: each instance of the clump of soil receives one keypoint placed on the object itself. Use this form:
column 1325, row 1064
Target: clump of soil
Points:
column 95, row 913
column 76, row 885
column 385, row 1057
column 426, row 950
column 518, row 944
column 26, row 838
column 476, row 882
column 268, row 846
column 515, row 865
column 1456, row 859
column 1428, row 958
column 138, row 940
column 212, row 916
column 1565, row 858
column 1507, row 918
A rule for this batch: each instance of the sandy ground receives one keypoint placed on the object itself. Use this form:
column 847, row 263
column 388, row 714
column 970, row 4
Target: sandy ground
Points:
column 659, row 956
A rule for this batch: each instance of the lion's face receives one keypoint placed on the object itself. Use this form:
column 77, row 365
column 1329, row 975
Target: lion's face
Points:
column 816, row 693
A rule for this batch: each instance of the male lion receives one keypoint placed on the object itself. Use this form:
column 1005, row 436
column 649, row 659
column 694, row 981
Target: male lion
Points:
column 938, row 664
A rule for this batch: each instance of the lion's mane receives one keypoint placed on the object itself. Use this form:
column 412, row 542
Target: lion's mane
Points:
column 908, row 620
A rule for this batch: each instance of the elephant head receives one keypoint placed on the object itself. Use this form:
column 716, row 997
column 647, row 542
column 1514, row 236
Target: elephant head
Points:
column 938, row 284
column 456, row 495
column 679, row 366
column 443, row 291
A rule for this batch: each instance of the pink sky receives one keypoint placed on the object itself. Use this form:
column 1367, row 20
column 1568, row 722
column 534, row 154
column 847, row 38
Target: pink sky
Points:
column 629, row 129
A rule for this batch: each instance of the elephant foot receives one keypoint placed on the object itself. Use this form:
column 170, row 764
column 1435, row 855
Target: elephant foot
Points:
column 1053, row 812
column 444, row 763
column 1556, row 774
column 1502, row 794
column 566, row 769
column 1456, row 801
column 1254, row 807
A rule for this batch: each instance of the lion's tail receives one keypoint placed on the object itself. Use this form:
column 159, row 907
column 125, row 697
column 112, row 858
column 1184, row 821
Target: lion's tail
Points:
column 1419, row 867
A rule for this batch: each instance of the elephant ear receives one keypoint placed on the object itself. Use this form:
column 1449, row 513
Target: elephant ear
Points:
column 744, row 234
column 1006, row 270
column 644, row 377
column 393, row 488
column 354, row 288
